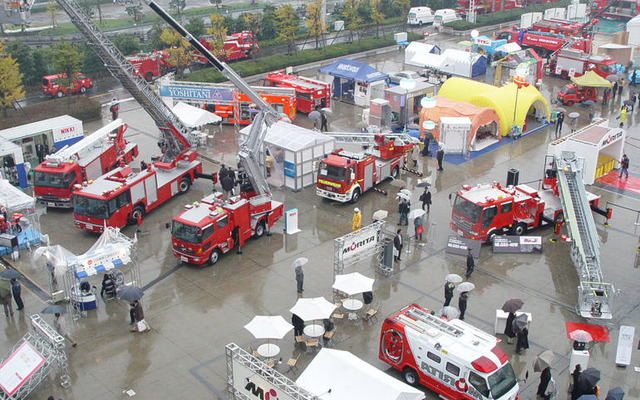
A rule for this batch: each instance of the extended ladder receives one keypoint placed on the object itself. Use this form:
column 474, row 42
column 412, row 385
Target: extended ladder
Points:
column 595, row 298
column 433, row 321
column 368, row 138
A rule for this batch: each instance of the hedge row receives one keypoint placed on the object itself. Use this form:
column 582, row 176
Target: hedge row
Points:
column 504, row 16
column 281, row 61
column 83, row 108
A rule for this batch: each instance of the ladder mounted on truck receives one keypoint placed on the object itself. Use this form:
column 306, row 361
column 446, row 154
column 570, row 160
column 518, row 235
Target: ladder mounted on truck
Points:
column 595, row 297
column 369, row 138
column 176, row 145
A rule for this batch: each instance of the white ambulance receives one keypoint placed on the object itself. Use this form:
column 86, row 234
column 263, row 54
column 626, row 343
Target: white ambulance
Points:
column 454, row 359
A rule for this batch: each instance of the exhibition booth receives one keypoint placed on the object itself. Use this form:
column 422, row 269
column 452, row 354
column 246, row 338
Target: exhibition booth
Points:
column 415, row 53
column 12, row 168
column 405, row 101
column 528, row 105
column 453, row 62
column 294, row 150
column 482, row 131
column 355, row 81
column 27, row 230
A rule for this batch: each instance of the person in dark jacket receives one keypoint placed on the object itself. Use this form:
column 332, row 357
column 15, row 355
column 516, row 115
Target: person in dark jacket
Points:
column 440, row 156
column 545, row 378
column 462, row 304
column 404, row 212
column 559, row 123
column 16, row 290
column 448, row 293
column 299, row 278
column 298, row 325
column 227, row 186
column 508, row 329
column 522, row 340
column 471, row 264
column 323, row 123
column 397, row 245
column 108, row 286
column 425, row 198
column 575, row 386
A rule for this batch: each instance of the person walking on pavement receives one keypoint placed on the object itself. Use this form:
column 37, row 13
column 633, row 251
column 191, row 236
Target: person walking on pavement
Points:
column 397, row 245
column 575, row 376
column 545, row 380
column 620, row 87
column 632, row 82
column 462, row 304
column 592, row 112
column 615, row 91
column 508, row 328
column 60, row 325
column 624, row 166
column 440, row 155
column 323, row 122
column 574, row 124
column 448, row 293
column 471, row 264
column 357, row 220
column 227, row 186
column 428, row 137
column 425, row 198
column 633, row 98
column 418, row 226
column 415, row 154
column 522, row 340
column 138, row 316
column 6, row 302
column 623, row 116
column 404, row 212
column 605, row 97
column 16, row 290
column 299, row 278
column 298, row 325
column 559, row 122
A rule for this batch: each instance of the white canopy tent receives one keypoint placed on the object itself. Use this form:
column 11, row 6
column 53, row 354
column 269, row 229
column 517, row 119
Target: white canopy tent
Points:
column 417, row 51
column 195, row 117
column 452, row 61
column 633, row 27
column 16, row 201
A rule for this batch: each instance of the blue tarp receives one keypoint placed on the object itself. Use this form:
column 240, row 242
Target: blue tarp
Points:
column 353, row 70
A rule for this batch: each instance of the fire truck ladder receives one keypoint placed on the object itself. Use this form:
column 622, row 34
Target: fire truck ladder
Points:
column 124, row 72
column 595, row 298
column 368, row 138
column 74, row 151
column 431, row 321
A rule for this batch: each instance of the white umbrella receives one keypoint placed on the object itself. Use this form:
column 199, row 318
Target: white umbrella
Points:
column 406, row 191
column 268, row 327
column 327, row 111
column 418, row 212
column 574, row 115
column 353, row 283
column 380, row 215
column 581, row 336
column 313, row 308
column 299, row 262
column 453, row 278
column 466, row 287
column 401, row 195
column 450, row 312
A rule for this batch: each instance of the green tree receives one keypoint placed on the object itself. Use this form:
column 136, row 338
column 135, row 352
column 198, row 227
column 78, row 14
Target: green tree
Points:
column 389, row 8
column 91, row 63
column 127, row 44
column 217, row 33
column 351, row 19
column 99, row 11
column 403, row 6
column 314, row 21
column 269, row 29
column 217, row 3
column 377, row 17
column 51, row 10
column 67, row 59
column 287, row 23
column 195, row 25
column 177, row 5
column 23, row 55
column 154, row 41
column 134, row 12
column 41, row 63
column 240, row 23
column 85, row 6
column 11, row 87
column 254, row 25
column 364, row 11
column 180, row 51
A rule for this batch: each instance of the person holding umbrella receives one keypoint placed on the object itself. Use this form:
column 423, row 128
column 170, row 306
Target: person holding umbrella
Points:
column 418, row 226
column 16, row 290
column 397, row 245
column 60, row 325
column 542, row 363
column 575, row 376
column 5, row 297
column 138, row 317
column 559, row 123
column 511, row 306
column 616, row 393
column 448, row 293
column 403, row 209
column 587, row 382
column 462, row 304
column 522, row 333
column 440, row 155
column 425, row 198
column 297, row 264
column 471, row 264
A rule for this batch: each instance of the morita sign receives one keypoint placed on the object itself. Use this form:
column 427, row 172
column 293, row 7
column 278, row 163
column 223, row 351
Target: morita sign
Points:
column 360, row 243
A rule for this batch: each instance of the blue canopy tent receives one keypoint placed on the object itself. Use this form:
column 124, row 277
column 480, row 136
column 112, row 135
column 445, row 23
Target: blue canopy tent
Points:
column 353, row 78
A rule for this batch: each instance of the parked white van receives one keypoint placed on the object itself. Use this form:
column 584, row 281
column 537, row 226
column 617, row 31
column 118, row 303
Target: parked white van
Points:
column 443, row 16
column 419, row 16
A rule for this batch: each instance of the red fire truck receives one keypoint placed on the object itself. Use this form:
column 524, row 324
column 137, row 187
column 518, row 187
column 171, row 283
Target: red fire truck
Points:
column 150, row 65
column 343, row 175
column 57, row 85
column 486, row 6
column 570, row 62
column 544, row 43
column 212, row 227
column 481, row 212
column 563, row 26
column 616, row 9
column 572, row 93
column 237, row 46
column 87, row 159
column 452, row 358
column 310, row 93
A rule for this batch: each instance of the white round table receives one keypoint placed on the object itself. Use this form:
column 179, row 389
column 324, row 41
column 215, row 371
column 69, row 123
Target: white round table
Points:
column 268, row 350
column 352, row 305
column 314, row 330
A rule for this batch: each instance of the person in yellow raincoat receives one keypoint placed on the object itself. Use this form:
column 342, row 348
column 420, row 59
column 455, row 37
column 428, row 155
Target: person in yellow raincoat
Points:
column 357, row 220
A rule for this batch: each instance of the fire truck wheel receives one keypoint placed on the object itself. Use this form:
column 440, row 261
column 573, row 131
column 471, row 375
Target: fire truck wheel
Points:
column 490, row 237
column 519, row 229
column 410, row 376
column 564, row 75
column 83, row 89
column 59, row 94
column 214, row 256
column 569, row 103
column 185, row 184
column 259, row 230
column 148, row 76
column 395, row 172
column 355, row 195
column 138, row 212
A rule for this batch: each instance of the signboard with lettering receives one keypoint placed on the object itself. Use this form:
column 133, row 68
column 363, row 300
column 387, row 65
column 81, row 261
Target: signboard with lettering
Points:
column 517, row 244
column 459, row 245
column 251, row 385
column 196, row 93
column 19, row 367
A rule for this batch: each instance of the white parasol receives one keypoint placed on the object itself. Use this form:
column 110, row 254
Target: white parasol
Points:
column 418, row 212
column 453, row 278
column 465, row 287
column 380, row 215
column 313, row 308
column 401, row 195
column 268, row 327
column 450, row 312
column 299, row 262
column 406, row 191
column 353, row 283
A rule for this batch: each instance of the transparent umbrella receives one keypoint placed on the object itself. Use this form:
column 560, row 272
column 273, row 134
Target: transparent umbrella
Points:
column 299, row 262
column 380, row 215
column 450, row 312
column 418, row 212
column 465, row 287
column 453, row 278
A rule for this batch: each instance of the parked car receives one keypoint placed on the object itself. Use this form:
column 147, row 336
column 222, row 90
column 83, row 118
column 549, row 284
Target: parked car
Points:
column 395, row 77
column 56, row 85
column 443, row 16
column 419, row 16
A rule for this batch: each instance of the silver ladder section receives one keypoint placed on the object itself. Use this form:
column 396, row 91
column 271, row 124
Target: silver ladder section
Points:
column 123, row 71
column 432, row 321
column 595, row 296
column 75, row 150
column 367, row 138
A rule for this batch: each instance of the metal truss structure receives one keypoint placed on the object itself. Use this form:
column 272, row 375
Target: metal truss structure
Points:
column 341, row 243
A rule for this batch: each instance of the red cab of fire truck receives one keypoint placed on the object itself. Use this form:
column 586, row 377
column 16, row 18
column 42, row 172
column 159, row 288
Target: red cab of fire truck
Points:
column 150, row 65
column 212, row 227
column 123, row 196
column 237, row 46
column 87, row 159
column 310, row 93
column 563, row 27
column 544, row 43
column 343, row 176
column 57, row 85
column 452, row 358
column 623, row 10
column 568, row 62
column 572, row 93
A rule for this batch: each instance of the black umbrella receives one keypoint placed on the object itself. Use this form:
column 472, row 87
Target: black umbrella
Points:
column 615, row 394
column 520, row 322
column 54, row 309
column 130, row 293
column 589, row 377
column 628, row 102
column 512, row 305
column 423, row 184
column 10, row 274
